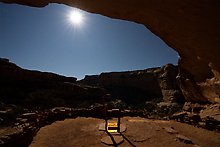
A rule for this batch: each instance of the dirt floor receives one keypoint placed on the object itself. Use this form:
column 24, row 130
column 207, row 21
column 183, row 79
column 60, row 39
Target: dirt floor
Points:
column 84, row 132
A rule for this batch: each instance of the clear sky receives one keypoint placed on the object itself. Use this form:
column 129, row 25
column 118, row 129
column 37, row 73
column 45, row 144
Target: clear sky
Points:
column 44, row 39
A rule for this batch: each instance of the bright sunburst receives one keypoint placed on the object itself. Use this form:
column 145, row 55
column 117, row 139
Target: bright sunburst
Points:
column 75, row 17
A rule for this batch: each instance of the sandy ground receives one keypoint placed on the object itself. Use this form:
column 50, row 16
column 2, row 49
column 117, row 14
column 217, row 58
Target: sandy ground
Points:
column 140, row 132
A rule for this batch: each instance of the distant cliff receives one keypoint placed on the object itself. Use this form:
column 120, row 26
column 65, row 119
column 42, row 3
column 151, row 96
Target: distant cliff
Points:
column 11, row 72
column 141, row 85
column 39, row 90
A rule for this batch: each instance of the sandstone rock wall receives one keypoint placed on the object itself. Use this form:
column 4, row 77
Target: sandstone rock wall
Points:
column 140, row 86
column 190, row 27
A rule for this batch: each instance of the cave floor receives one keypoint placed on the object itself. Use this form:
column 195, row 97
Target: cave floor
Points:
column 140, row 132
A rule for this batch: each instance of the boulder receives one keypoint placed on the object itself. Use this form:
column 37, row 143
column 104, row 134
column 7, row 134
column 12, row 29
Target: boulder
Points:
column 184, row 139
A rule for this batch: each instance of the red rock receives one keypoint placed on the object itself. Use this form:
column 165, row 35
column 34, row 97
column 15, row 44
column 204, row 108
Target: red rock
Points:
column 184, row 139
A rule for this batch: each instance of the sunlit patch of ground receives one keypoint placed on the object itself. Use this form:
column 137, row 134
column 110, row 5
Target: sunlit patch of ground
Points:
column 140, row 132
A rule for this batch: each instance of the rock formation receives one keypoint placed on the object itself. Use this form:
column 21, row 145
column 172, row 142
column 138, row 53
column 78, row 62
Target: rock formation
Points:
column 137, row 87
column 140, row 90
column 190, row 27
column 40, row 90
column 130, row 86
column 11, row 72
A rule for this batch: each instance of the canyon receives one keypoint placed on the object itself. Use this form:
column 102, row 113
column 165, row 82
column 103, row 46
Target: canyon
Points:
column 189, row 27
column 188, row 92
column 32, row 99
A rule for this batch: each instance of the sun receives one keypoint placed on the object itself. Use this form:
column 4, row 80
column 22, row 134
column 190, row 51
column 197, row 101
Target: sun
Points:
column 75, row 17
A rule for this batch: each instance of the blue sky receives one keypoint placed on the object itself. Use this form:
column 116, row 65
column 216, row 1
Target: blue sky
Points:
column 43, row 39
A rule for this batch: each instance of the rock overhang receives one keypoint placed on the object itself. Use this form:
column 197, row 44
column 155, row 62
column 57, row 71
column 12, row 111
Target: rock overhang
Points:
column 189, row 27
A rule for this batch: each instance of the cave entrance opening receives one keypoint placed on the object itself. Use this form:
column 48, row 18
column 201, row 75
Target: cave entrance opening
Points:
column 43, row 39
